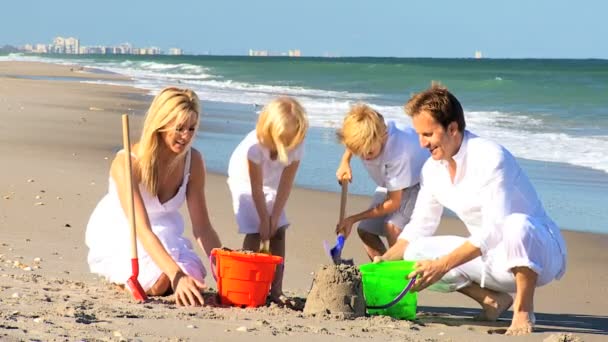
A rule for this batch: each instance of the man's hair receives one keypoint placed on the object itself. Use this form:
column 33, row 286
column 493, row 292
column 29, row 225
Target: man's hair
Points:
column 361, row 129
column 439, row 103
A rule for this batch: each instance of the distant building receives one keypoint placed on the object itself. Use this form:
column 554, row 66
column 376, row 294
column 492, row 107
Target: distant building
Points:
column 65, row 45
column 478, row 55
column 294, row 53
column 41, row 48
column 175, row 51
column 71, row 45
column 262, row 53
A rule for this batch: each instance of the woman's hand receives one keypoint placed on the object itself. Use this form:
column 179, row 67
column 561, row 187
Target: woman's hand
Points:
column 428, row 273
column 345, row 227
column 187, row 290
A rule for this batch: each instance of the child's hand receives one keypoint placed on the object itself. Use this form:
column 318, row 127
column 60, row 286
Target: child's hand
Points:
column 345, row 227
column 274, row 225
column 264, row 229
column 344, row 172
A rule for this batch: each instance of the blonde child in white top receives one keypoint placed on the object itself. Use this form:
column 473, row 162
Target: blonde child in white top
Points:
column 261, row 172
column 393, row 159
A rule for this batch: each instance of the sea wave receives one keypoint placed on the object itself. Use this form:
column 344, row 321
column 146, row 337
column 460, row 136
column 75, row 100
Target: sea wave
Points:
column 524, row 134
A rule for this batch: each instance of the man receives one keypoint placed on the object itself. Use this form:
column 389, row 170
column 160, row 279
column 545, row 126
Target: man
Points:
column 513, row 245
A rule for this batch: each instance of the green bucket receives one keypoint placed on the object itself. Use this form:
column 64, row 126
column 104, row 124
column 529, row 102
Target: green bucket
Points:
column 386, row 289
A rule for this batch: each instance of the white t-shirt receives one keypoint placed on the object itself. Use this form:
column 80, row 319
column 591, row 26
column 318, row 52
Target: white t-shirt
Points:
column 489, row 185
column 251, row 149
column 398, row 165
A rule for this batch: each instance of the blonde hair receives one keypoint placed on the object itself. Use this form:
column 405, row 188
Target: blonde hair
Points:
column 361, row 129
column 171, row 104
column 282, row 116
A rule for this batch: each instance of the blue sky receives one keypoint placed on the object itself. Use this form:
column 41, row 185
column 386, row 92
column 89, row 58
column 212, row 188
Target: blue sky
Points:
column 401, row 28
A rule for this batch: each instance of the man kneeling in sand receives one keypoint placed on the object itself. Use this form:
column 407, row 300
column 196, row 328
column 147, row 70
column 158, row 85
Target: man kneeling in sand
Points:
column 513, row 245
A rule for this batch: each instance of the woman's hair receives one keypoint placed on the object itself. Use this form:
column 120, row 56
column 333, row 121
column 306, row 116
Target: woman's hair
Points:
column 282, row 126
column 361, row 129
column 442, row 105
column 173, row 106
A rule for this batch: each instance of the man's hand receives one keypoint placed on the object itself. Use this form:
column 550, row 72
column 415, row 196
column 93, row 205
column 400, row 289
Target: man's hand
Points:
column 428, row 273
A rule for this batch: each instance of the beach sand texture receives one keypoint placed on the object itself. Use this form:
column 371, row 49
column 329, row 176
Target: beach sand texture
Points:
column 57, row 138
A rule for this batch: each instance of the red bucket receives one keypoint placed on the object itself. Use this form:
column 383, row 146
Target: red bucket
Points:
column 243, row 279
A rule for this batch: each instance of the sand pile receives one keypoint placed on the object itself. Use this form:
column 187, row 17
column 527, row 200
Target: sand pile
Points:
column 336, row 290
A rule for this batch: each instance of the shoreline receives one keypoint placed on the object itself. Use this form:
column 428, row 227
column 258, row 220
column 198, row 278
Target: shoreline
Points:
column 59, row 156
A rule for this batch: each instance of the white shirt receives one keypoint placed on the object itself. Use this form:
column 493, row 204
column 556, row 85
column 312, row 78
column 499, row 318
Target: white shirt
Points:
column 400, row 161
column 251, row 149
column 488, row 186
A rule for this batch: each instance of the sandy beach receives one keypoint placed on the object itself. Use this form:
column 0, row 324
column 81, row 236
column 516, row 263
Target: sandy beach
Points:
column 57, row 138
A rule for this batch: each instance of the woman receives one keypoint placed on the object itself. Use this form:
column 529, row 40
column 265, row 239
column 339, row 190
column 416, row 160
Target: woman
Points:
column 169, row 172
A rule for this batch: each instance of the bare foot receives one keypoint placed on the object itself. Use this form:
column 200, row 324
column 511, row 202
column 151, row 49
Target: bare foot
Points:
column 522, row 324
column 284, row 301
column 494, row 306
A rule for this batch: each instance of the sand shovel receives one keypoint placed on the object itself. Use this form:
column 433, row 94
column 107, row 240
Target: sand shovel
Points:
column 132, row 283
column 335, row 253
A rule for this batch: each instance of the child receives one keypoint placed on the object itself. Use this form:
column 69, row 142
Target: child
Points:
column 393, row 158
column 260, row 176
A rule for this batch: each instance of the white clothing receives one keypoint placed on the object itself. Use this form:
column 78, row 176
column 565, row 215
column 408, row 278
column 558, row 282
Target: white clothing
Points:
column 109, row 240
column 398, row 218
column 524, row 235
column 488, row 188
column 400, row 161
column 250, row 149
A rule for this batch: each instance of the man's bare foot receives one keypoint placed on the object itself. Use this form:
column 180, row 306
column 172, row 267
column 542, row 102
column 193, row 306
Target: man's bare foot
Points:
column 494, row 306
column 522, row 324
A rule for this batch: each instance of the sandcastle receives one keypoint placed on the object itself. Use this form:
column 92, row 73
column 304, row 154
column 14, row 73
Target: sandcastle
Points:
column 336, row 290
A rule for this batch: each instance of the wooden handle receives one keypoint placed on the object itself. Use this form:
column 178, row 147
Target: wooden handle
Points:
column 126, row 142
column 343, row 199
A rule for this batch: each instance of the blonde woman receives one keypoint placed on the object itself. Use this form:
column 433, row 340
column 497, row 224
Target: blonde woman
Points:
column 260, row 175
column 169, row 172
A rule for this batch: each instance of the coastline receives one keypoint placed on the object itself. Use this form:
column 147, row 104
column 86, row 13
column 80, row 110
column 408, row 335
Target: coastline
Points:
column 57, row 139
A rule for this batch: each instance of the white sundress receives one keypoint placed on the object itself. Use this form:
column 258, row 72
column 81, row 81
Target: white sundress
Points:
column 108, row 237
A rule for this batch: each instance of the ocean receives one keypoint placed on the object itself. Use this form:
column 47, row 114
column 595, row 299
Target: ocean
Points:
column 551, row 114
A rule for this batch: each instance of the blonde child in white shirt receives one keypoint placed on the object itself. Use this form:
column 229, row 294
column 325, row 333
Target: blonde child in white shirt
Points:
column 261, row 172
column 393, row 159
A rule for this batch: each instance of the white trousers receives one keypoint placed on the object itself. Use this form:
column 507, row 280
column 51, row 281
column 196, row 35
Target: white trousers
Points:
column 526, row 242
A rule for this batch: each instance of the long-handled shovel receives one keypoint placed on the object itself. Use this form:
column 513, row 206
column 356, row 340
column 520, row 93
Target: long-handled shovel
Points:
column 336, row 252
column 133, row 284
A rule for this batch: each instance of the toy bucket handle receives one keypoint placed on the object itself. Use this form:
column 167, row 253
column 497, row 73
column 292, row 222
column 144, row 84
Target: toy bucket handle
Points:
column 397, row 299
column 212, row 266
